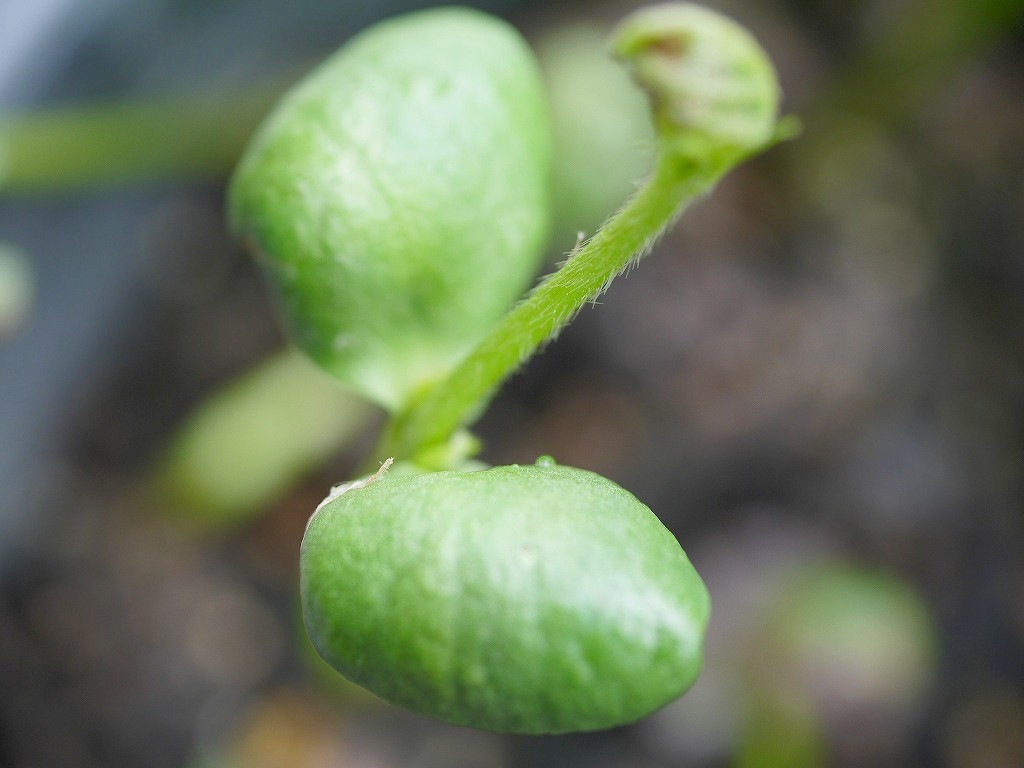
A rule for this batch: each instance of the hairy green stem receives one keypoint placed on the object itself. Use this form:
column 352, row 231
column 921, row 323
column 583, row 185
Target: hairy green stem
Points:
column 714, row 102
column 458, row 398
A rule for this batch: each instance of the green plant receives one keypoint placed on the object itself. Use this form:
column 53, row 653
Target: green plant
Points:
column 397, row 198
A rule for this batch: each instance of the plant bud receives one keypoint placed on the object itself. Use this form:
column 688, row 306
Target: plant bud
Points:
column 713, row 90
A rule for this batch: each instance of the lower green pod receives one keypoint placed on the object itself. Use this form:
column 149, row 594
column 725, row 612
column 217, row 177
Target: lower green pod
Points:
column 527, row 599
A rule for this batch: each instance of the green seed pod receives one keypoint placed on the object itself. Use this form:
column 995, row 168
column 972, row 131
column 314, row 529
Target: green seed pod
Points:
column 713, row 89
column 398, row 197
column 528, row 599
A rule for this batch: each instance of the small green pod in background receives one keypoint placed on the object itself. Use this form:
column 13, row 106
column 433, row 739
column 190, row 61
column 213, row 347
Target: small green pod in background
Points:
column 250, row 441
column 526, row 599
column 398, row 197
column 601, row 125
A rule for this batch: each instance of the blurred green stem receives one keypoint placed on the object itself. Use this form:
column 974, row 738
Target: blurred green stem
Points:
column 71, row 148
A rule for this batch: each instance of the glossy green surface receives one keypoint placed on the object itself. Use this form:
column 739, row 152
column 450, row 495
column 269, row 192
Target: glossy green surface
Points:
column 398, row 197
column 531, row 599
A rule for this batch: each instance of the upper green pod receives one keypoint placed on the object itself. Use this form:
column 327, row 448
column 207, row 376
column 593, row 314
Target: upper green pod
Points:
column 398, row 197
column 530, row 599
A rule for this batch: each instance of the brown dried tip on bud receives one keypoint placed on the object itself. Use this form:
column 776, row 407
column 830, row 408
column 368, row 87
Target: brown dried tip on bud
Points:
column 713, row 90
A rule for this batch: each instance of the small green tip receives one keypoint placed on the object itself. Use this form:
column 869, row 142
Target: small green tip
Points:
column 713, row 90
column 546, row 461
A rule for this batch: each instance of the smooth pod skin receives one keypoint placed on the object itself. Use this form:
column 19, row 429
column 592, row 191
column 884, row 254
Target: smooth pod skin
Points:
column 528, row 599
column 398, row 197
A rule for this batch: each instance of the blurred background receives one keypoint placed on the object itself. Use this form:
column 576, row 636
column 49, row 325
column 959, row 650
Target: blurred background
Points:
column 816, row 381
